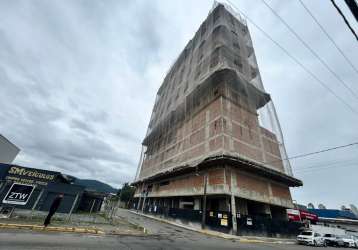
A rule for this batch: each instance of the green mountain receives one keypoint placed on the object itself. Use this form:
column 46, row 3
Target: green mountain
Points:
column 95, row 185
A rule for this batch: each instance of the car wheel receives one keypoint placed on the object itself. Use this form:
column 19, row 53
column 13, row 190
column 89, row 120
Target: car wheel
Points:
column 325, row 243
column 315, row 243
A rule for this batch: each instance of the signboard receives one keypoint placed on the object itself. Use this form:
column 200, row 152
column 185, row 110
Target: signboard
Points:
column 18, row 194
column 300, row 215
column 223, row 222
column 30, row 176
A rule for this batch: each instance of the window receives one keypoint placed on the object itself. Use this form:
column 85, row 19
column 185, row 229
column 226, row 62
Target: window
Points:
column 164, row 183
column 234, row 32
column 197, row 73
column 308, row 233
column 200, row 50
column 203, row 29
column 236, row 45
column 238, row 63
column 214, row 60
column 232, row 20
column 216, row 14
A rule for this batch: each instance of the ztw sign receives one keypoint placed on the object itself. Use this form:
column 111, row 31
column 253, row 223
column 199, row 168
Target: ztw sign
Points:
column 18, row 194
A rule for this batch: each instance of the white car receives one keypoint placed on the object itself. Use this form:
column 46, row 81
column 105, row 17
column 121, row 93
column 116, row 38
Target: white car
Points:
column 350, row 241
column 311, row 238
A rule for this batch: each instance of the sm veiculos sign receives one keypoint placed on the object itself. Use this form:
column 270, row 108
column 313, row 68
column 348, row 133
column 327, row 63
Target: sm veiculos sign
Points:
column 30, row 176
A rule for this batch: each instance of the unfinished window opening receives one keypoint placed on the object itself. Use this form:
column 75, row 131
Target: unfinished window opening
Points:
column 164, row 183
column 203, row 30
column 214, row 60
column 216, row 92
column 216, row 15
column 200, row 51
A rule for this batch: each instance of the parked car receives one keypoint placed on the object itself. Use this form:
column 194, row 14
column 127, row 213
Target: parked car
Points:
column 350, row 241
column 310, row 238
column 333, row 240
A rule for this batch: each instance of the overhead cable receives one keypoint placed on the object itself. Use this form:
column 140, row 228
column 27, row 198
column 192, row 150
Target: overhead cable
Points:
column 295, row 60
column 344, row 18
column 311, row 50
column 328, row 36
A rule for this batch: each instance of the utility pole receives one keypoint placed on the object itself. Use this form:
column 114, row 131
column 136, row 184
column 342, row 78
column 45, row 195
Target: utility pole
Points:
column 203, row 218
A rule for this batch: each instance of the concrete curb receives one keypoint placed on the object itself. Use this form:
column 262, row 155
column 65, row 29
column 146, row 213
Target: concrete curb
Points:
column 221, row 235
column 52, row 229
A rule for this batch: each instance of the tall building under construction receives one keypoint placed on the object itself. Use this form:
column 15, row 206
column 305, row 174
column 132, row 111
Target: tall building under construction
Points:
column 214, row 153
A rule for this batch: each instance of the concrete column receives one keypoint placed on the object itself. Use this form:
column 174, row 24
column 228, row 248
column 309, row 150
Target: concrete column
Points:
column 143, row 206
column 203, row 218
column 233, row 205
column 233, row 215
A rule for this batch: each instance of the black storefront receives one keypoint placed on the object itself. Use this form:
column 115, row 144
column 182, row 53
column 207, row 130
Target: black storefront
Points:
column 48, row 184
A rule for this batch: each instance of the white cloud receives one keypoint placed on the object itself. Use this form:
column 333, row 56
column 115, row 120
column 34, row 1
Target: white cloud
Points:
column 78, row 82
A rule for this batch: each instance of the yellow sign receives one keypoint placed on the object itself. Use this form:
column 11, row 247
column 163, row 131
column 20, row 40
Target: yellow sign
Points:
column 223, row 222
column 30, row 173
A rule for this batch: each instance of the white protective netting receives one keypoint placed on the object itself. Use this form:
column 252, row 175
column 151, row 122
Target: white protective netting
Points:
column 212, row 102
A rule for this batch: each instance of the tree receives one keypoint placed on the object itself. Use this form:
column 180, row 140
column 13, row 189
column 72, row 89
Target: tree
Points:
column 310, row 206
column 127, row 193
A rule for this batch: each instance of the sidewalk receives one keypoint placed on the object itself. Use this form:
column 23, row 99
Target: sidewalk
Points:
column 79, row 223
column 243, row 239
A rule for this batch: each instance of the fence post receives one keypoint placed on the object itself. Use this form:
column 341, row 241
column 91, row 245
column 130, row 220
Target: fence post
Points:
column 73, row 206
column 36, row 202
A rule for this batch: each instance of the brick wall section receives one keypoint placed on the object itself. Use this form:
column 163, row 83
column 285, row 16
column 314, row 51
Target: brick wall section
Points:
column 189, row 141
column 247, row 151
column 251, row 183
column 182, row 183
column 280, row 191
column 216, row 177
column 221, row 126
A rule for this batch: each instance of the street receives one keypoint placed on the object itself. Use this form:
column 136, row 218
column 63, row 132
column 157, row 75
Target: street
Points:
column 21, row 240
column 164, row 236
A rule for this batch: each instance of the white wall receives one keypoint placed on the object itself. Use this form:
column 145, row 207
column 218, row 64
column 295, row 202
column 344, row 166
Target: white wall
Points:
column 8, row 151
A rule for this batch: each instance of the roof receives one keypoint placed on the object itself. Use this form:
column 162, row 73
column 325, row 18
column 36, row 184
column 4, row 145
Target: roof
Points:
column 334, row 214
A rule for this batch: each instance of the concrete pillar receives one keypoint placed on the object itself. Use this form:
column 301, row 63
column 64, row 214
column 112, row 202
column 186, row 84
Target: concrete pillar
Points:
column 233, row 204
column 143, row 206
column 233, row 215
column 196, row 204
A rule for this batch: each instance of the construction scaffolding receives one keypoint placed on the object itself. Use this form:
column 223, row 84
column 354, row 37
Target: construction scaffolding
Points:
column 212, row 102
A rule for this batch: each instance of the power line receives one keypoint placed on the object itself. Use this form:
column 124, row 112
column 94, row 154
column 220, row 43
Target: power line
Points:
column 315, row 152
column 328, row 36
column 326, row 165
column 295, row 60
column 323, row 168
column 311, row 50
column 344, row 18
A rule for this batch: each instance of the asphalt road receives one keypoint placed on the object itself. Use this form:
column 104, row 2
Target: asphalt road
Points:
column 27, row 240
column 167, row 237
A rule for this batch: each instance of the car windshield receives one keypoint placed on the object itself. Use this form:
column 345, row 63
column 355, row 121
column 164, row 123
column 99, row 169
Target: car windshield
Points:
column 306, row 233
column 328, row 235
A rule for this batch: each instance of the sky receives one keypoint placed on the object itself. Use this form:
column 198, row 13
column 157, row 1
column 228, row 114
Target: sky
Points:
column 78, row 81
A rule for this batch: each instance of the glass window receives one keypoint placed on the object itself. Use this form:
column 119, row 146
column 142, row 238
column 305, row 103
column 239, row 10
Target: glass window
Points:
column 306, row 233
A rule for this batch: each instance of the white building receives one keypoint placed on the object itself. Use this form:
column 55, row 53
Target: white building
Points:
column 8, row 151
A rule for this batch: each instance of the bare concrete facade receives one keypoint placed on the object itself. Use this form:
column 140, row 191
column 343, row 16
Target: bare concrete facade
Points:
column 206, row 145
